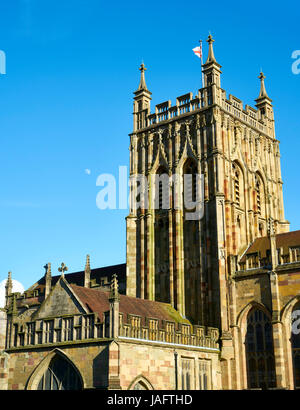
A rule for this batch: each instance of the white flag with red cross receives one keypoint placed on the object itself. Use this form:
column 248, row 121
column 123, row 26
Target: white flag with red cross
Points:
column 198, row 51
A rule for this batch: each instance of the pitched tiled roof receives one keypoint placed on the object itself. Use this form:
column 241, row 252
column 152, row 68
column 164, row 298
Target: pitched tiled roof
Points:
column 77, row 278
column 96, row 300
column 283, row 240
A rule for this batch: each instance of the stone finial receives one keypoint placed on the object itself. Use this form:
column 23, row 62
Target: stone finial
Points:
column 48, row 269
column 87, row 272
column 87, row 263
column 63, row 268
column 114, row 299
column 273, row 245
column 114, row 289
column 142, row 85
column 8, row 289
column 8, row 285
column 263, row 92
column 211, row 56
column 48, row 279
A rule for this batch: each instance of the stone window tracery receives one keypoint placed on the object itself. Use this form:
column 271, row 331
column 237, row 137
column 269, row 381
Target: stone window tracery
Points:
column 204, row 375
column 60, row 375
column 259, row 351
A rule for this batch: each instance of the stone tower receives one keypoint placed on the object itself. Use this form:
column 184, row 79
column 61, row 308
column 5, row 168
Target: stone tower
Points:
column 186, row 262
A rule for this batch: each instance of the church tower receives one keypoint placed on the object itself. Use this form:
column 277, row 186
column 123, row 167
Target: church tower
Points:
column 171, row 256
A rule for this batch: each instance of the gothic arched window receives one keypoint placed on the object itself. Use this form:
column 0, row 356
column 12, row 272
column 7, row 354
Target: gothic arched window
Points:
column 161, row 236
column 189, row 184
column 238, row 186
column 259, row 351
column 60, row 375
column 259, row 190
column 141, row 383
column 295, row 342
column 162, row 189
column 191, row 239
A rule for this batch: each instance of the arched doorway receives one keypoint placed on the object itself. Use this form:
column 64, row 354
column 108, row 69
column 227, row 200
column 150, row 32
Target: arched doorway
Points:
column 259, row 351
column 295, row 342
column 60, row 375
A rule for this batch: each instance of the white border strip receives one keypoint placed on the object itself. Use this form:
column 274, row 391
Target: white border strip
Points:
column 168, row 343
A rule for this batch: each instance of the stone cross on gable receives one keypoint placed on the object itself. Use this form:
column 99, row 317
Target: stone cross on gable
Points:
column 47, row 268
column 62, row 269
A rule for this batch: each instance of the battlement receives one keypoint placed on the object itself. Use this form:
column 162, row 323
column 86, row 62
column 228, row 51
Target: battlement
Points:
column 249, row 115
column 185, row 104
column 168, row 332
column 189, row 103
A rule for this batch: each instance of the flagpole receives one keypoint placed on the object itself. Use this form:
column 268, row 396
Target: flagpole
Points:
column 200, row 41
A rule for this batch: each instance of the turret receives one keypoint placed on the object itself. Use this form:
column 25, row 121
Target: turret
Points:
column 141, row 105
column 264, row 106
column 211, row 70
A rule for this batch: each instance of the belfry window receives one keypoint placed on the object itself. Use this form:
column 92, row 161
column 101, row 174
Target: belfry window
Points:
column 160, row 195
column 258, row 190
column 236, row 179
column 237, row 185
column 236, row 173
column 190, row 184
column 60, row 375
column 259, row 351
column 162, row 188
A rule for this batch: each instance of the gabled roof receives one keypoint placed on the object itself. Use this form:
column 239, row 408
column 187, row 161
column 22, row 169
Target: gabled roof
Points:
column 97, row 301
column 283, row 240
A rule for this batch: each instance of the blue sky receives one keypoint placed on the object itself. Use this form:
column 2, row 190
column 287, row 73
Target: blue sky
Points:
column 66, row 106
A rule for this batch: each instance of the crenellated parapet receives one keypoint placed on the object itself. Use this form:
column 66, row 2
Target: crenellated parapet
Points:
column 163, row 331
column 185, row 105
column 189, row 104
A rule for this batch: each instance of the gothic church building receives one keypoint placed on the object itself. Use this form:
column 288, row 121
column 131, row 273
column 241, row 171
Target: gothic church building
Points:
column 202, row 303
